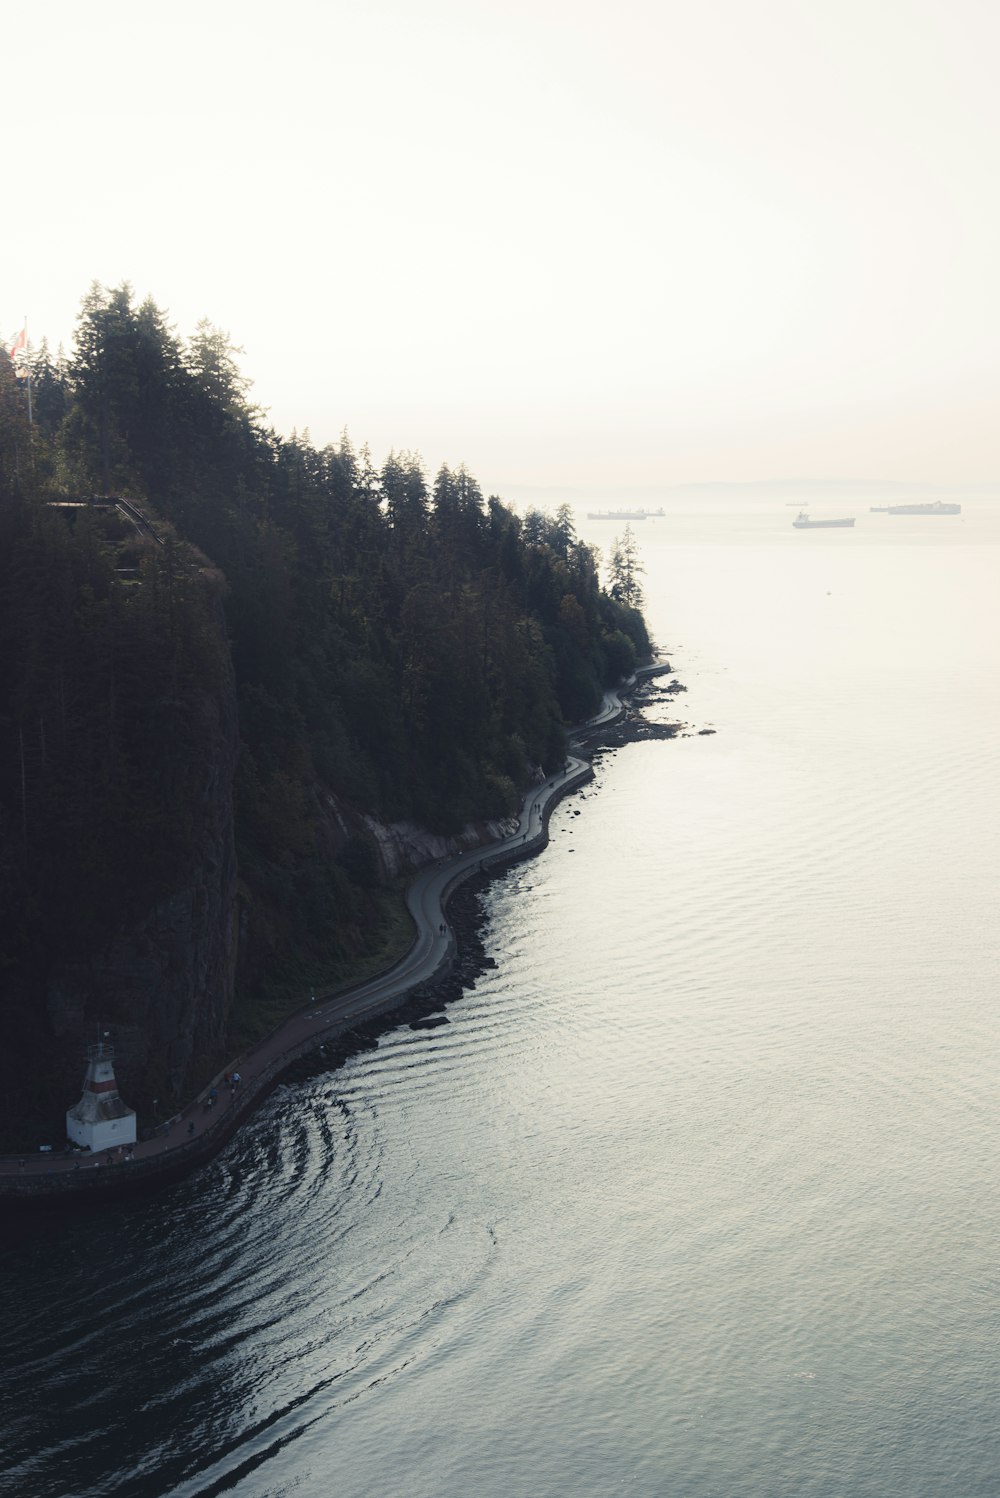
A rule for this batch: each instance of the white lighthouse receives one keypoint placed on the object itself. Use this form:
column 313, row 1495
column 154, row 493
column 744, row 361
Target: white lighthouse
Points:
column 100, row 1120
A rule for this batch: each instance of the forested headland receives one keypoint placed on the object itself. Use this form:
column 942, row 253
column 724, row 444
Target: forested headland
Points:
column 208, row 726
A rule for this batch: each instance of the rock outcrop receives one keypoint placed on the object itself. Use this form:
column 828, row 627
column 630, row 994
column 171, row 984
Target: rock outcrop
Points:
column 164, row 980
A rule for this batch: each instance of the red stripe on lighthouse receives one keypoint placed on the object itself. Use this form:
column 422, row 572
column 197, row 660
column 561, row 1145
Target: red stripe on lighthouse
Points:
column 110, row 1086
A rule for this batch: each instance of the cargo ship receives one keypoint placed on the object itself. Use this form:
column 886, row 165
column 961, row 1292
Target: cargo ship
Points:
column 937, row 507
column 804, row 522
column 623, row 514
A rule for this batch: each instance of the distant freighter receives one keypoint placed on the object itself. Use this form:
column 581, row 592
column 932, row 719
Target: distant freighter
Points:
column 623, row 514
column 802, row 522
column 938, row 507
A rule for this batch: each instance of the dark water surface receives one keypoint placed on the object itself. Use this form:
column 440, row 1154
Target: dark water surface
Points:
column 696, row 1193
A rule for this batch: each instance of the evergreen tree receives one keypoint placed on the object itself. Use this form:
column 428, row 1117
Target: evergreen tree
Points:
column 395, row 652
column 625, row 569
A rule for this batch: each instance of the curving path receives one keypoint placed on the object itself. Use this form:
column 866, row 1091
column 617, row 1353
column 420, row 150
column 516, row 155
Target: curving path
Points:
column 199, row 1131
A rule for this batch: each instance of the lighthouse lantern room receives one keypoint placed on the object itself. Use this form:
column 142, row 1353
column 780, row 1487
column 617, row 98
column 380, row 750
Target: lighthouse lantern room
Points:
column 100, row 1120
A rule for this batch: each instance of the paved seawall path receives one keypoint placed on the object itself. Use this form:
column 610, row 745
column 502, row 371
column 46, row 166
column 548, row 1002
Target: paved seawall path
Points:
column 200, row 1130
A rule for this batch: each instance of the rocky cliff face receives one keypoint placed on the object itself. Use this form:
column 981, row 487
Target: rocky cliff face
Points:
column 164, row 982
column 404, row 847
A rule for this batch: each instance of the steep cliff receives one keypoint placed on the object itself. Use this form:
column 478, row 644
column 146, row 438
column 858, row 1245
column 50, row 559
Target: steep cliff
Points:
column 164, row 979
column 118, row 875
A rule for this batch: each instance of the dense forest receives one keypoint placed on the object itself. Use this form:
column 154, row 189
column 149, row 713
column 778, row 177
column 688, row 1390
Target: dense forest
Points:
column 209, row 707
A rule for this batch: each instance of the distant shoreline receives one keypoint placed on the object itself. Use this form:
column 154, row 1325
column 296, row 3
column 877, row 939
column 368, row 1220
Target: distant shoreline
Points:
column 343, row 1023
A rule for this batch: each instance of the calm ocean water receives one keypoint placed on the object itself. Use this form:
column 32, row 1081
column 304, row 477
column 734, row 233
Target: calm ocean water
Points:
column 696, row 1193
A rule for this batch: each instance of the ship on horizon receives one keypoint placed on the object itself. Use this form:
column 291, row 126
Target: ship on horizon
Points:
column 936, row 507
column 804, row 522
column 624, row 514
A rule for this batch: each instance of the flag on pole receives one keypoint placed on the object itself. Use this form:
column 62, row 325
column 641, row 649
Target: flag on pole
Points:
column 20, row 343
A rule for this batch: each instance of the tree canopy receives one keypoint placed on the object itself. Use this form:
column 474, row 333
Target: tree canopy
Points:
column 411, row 648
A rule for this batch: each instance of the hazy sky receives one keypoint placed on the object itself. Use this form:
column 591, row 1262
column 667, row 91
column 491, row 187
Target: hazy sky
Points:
column 561, row 242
